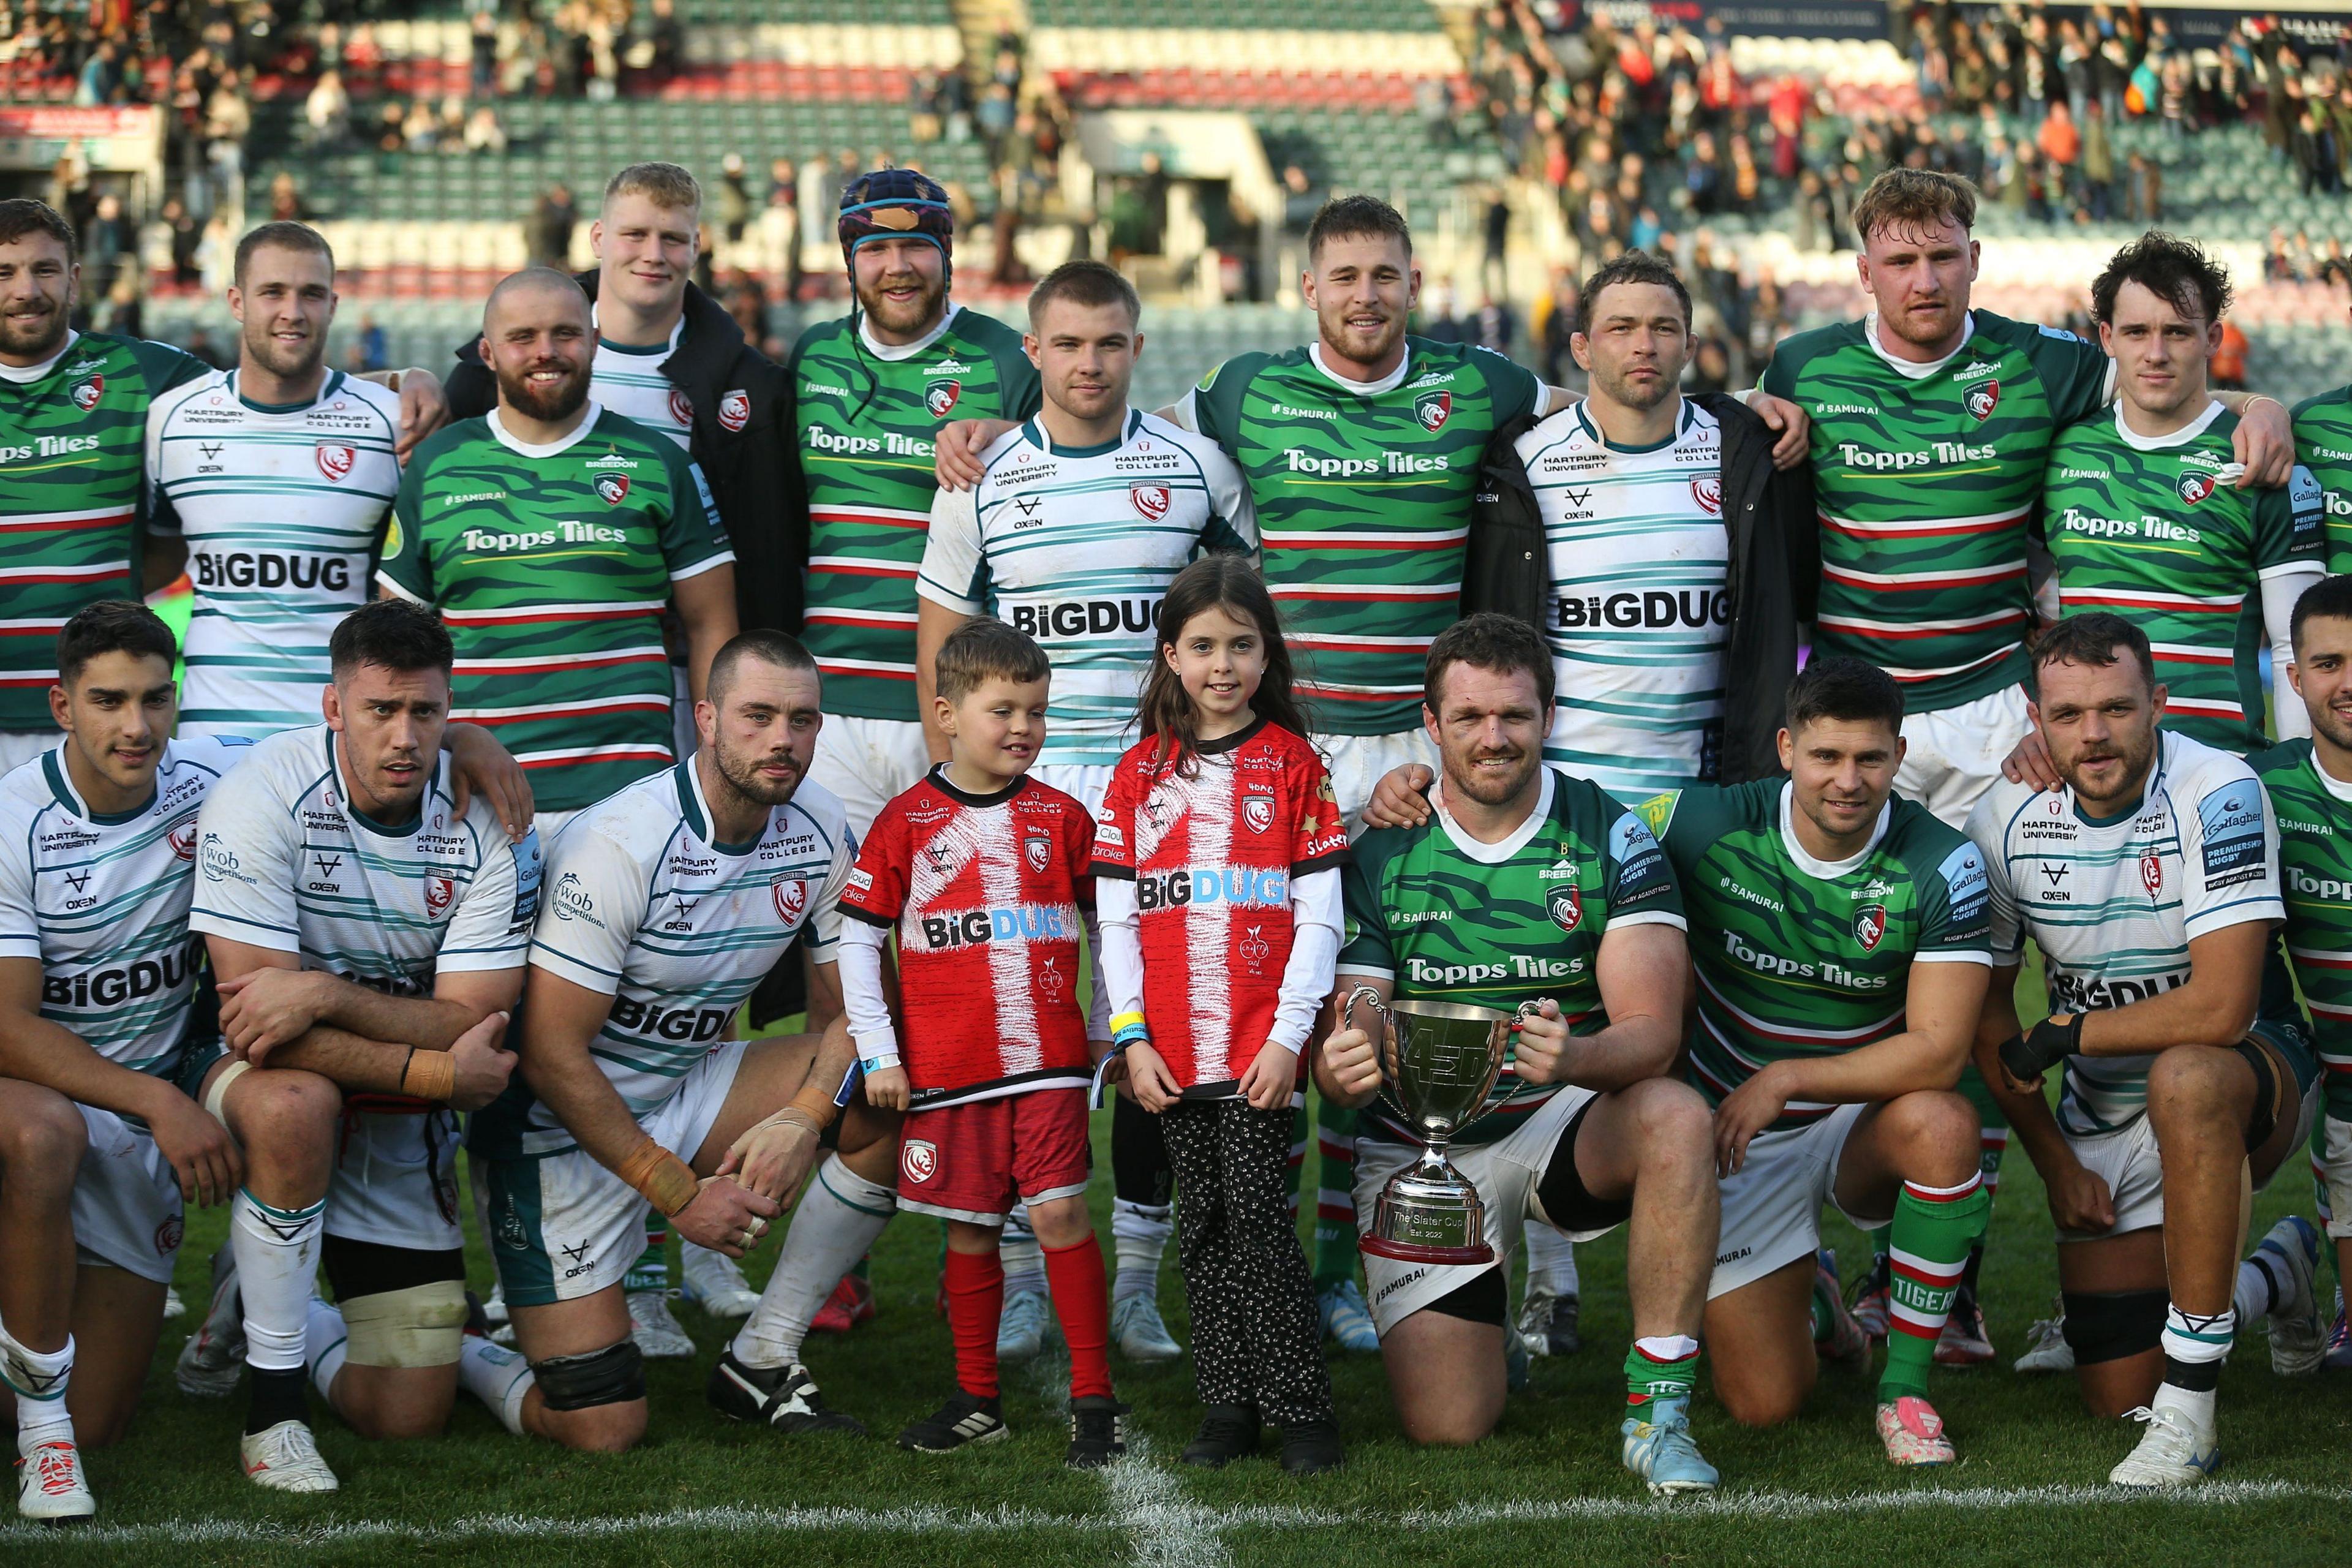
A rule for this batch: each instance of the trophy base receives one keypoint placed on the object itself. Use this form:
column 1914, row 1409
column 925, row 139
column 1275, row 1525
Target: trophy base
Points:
column 1422, row 1252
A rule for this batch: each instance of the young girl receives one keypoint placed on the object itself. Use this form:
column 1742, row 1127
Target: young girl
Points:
column 1217, row 854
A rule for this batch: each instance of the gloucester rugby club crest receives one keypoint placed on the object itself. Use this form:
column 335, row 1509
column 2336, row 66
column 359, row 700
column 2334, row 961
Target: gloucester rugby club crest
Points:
column 335, row 460
column 1152, row 500
column 2151, row 875
column 440, row 892
column 1258, row 812
column 734, row 410
column 1707, row 490
column 922, row 1160
column 792, row 898
column 1037, row 847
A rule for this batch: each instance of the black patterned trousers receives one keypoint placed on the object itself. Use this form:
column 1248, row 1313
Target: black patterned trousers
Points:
column 1257, row 1339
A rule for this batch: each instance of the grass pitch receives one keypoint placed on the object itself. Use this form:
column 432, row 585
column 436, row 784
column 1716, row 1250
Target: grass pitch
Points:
column 1547, row 1487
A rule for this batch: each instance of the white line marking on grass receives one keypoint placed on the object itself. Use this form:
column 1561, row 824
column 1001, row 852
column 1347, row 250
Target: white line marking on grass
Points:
column 1169, row 1531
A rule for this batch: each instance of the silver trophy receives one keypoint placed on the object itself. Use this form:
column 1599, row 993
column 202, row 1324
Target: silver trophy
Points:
column 1438, row 1060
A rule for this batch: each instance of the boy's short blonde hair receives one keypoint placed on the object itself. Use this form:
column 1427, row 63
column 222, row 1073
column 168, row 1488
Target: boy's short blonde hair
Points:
column 667, row 186
column 985, row 649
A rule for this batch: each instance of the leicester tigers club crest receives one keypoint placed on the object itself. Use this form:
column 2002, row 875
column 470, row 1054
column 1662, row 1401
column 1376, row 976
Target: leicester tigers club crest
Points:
column 792, row 895
column 1037, row 848
column 920, row 1160
column 335, row 460
column 1565, row 904
column 734, row 410
column 1982, row 400
column 86, row 392
column 1434, row 410
column 1258, row 812
column 1869, row 926
column 681, row 412
column 940, row 395
column 2151, row 875
column 1707, row 490
column 440, row 892
column 2194, row 487
column 612, row 488
column 1152, row 500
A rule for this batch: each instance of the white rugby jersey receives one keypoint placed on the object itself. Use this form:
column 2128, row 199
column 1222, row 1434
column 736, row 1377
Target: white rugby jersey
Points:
column 644, row 906
column 1640, row 603
column 1077, row 546
column 2113, row 905
column 629, row 381
column 103, row 900
column 281, row 506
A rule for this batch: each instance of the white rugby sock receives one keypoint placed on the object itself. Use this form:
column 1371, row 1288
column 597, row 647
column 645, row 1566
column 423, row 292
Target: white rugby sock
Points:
column 1138, row 1235
column 497, row 1376
column 1551, row 1260
column 2194, row 1348
column 1023, row 1259
column 277, row 1259
column 39, row 1379
column 326, row 1343
column 839, row 1216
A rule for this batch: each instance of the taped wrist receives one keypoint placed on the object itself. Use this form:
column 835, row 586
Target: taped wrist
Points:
column 429, row 1074
column 816, row 1105
column 2027, row 1055
column 613, row 1375
column 666, row 1181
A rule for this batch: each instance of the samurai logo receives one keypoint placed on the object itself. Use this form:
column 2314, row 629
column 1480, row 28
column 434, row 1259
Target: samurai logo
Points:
column 1152, row 500
column 1435, row 410
column 1258, row 811
column 1982, row 400
column 612, row 488
column 2194, row 487
column 792, row 898
column 940, row 395
column 1038, row 849
column 920, row 1160
column 1869, row 926
column 335, row 460
column 1566, row 906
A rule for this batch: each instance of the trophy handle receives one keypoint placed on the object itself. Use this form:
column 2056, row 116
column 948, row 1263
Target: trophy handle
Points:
column 1347, row 1010
column 1533, row 1005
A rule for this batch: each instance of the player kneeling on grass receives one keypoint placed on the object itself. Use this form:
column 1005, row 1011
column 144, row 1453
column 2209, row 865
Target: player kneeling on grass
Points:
column 981, row 871
column 666, row 904
column 2151, row 881
column 1515, row 871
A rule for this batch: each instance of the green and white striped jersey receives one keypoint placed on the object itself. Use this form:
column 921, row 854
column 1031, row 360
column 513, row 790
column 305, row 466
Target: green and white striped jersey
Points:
column 869, row 413
column 101, row 901
column 629, row 382
column 551, row 565
column 2323, row 443
column 1362, row 491
column 73, row 439
column 1640, row 602
column 281, row 506
column 1445, row 917
column 2152, row 528
column 1801, row 957
column 1077, row 546
column 1926, row 476
column 645, row 905
column 2113, row 902
column 2315, row 828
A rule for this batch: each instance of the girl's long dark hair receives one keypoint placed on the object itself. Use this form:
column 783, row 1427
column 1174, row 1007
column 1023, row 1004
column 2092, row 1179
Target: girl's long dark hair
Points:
column 1224, row 582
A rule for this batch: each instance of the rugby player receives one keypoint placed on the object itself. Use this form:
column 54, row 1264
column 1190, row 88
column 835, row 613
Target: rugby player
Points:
column 1531, row 885
column 367, row 932
column 2323, row 441
column 1086, row 511
column 667, row 903
column 73, row 425
column 2150, row 883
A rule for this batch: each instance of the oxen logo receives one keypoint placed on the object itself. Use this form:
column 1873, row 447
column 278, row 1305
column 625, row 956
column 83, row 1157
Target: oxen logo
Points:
column 613, row 487
column 1152, row 500
column 1565, row 904
column 940, row 395
column 734, row 410
column 1434, row 410
column 1869, row 926
column 792, row 897
column 919, row 1159
column 1982, row 400
column 335, row 460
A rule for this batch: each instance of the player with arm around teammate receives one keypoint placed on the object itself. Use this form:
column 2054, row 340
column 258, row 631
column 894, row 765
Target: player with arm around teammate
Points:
column 1544, row 877
column 2150, row 883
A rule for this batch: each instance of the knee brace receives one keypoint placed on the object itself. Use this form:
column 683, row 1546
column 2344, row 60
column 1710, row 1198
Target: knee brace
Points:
column 2109, row 1325
column 2273, row 1092
column 423, row 1325
column 613, row 1375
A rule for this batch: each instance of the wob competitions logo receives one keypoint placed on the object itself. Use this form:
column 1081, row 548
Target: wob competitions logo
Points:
column 1433, row 409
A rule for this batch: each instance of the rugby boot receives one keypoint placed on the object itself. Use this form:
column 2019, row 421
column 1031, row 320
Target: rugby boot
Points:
column 783, row 1397
column 1098, row 1431
column 714, row 1283
column 1021, row 1331
column 1346, row 1320
column 285, row 1458
column 965, row 1419
column 1914, row 1434
column 1228, row 1432
column 2048, row 1350
column 1519, row 1376
column 1559, row 1331
column 2298, row 1332
column 2338, row 1355
column 2173, row 1452
column 1139, row 1330
column 214, row 1358
column 173, row 1306
column 1311, row 1448
column 1843, row 1342
column 1964, row 1341
column 851, row 1303
column 655, row 1330
column 50, row 1487
column 1867, row 1300
column 1660, row 1451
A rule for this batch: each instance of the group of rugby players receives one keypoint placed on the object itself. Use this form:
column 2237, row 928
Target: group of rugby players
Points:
column 529, row 723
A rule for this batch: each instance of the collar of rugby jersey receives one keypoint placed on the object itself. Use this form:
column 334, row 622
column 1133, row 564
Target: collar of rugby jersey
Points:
column 2339, row 788
column 1503, row 848
column 326, row 389
column 663, row 349
column 25, row 375
column 907, row 351
column 1033, row 427
column 591, row 412
column 955, row 792
column 1388, row 382
column 2180, row 438
column 433, row 785
column 1914, row 369
column 1812, row 865
column 53, row 768
column 690, row 800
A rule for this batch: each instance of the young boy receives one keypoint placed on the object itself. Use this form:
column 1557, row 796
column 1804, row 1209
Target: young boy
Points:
column 982, row 872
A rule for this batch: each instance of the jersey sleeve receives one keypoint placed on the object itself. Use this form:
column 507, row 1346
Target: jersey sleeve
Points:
column 1780, row 377
column 490, row 927
column 2076, row 371
column 2229, row 856
column 1322, row 839
column 2291, row 525
column 403, row 566
column 876, row 889
column 595, row 902
column 246, row 847
column 1113, row 845
column 1515, row 389
column 20, row 921
column 955, row 568
column 1213, row 407
column 1364, row 946
column 693, row 539
column 821, row 933
column 165, row 367
column 1638, row 877
column 1232, row 515
column 2004, row 928
column 1955, row 909
column 1079, row 853
column 1024, row 393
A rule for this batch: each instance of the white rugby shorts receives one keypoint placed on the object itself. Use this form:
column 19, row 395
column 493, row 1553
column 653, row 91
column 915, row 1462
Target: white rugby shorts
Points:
column 1955, row 754
column 1772, row 1203
column 1357, row 763
column 2331, row 1164
column 126, row 1199
column 396, row 1181
column 868, row 762
column 2127, row 1161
